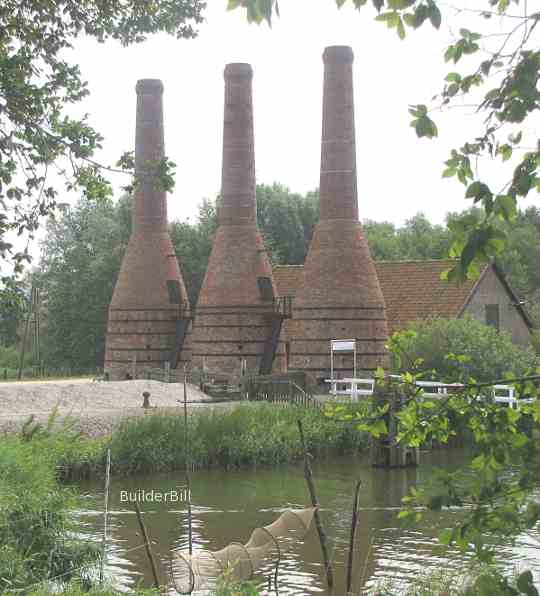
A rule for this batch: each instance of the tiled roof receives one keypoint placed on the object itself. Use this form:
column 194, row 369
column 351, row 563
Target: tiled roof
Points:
column 412, row 290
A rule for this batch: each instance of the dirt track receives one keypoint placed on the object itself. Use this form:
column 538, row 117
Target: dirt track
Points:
column 96, row 407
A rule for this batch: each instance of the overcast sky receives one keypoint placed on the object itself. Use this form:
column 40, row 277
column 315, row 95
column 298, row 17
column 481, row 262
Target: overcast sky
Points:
column 398, row 174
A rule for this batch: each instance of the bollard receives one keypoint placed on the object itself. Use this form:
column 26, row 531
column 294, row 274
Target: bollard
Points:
column 146, row 399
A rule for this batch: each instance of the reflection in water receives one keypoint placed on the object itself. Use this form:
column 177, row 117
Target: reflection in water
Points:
column 227, row 506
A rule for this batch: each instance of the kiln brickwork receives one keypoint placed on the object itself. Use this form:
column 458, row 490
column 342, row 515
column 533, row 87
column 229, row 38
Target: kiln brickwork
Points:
column 235, row 311
column 339, row 296
column 144, row 324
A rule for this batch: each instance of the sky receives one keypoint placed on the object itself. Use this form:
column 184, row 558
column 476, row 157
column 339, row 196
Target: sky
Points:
column 398, row 174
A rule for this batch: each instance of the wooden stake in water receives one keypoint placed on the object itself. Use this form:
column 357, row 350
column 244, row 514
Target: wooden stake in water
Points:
column 351, row 540
column 314, row 501
column 147, row 545
column 188, row 462
column 105, row 517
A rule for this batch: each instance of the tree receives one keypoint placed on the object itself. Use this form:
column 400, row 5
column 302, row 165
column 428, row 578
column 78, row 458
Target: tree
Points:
column 193, row 243
column 418, row 239
column 81, row 257
column 485, row 352
column 502, row 86
column 37, row 88
column 286, row 220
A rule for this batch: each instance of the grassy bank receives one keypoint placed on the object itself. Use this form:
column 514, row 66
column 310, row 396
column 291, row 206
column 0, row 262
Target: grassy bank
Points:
column 243, row 435
column 246, row 435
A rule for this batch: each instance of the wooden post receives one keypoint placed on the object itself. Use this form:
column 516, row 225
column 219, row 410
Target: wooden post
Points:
column 105, row 517
column 23, row 347
column 188, row 462
column 37, row 352
column 314, row 501
column 167, row 372
column 351, row 539
column 147, row 545
column 134, row 367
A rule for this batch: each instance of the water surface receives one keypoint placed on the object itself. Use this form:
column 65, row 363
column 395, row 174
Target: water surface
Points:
column 228, row 505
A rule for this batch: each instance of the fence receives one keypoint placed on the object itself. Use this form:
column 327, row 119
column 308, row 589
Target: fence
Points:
column 502, row 394
column 46, row 372
column 277, row 389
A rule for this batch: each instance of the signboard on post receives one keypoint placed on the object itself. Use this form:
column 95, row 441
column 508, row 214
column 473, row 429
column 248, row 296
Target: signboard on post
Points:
column 342, row 345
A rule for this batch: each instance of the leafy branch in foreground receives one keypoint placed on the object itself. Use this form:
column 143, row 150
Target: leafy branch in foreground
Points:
column 498, row 78
column 495, row 492
column 40, row 144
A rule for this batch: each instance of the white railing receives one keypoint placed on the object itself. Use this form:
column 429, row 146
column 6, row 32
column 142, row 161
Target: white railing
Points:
column 502, row 394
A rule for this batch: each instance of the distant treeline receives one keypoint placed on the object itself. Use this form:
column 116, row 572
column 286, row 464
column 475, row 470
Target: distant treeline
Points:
column 83, row 249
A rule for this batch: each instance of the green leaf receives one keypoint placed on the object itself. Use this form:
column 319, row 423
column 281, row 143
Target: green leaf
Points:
column 525, row 584
column 453, row 77
column 505, row 207
column 515, row 139
column 425, row 127
column 505, row 151
column 400, row 4
column 434, row 15
column 473, row 190
column 409, row 19
column 390, row 18
column 401, row 30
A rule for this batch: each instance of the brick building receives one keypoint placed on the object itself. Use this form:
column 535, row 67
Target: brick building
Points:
column 236, row 322
column 149, row 315
column 413, row 290
column 341, row 295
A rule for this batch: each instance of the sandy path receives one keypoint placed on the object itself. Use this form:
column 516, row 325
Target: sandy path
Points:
column 97, row 407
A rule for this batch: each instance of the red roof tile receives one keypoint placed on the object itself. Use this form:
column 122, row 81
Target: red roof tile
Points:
column 412, row 290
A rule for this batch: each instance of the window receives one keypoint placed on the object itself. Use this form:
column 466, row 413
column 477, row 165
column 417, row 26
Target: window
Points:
column 265, row 288
column 492, row 315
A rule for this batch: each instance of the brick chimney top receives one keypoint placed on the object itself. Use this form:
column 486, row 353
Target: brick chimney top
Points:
column 238, row 204
column 339, row 54
column 238, row 70
column 152, row 86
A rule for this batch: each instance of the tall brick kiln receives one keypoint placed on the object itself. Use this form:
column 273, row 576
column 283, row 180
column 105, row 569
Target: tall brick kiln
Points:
column 237, row 317
column 149, row 313
column 339, row 297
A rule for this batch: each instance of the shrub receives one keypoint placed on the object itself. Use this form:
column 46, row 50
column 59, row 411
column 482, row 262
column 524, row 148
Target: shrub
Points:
column 489, row 354
column 9, row 357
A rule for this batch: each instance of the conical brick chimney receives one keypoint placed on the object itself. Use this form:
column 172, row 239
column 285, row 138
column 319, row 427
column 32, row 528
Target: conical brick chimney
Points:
column 236, row 303
column 149, row 312
column 340, row 296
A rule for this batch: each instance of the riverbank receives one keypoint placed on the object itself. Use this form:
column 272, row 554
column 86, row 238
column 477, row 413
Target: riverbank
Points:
column 239, row 435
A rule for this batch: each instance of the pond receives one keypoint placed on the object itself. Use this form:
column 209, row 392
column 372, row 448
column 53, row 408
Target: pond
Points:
column 228, row 505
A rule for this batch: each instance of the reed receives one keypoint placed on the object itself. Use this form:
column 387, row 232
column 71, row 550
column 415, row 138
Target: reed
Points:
column 37, row 532
column 245, row 435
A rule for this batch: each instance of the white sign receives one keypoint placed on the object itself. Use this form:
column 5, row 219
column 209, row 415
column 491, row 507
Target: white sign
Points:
column 343, row 345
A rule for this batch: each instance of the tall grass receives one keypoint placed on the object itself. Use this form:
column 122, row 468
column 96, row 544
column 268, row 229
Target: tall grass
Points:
column 37, row 540
column 474, row 580
column 246, row 435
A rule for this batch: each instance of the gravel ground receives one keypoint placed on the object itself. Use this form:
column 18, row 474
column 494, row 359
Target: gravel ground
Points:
column 96, row 407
